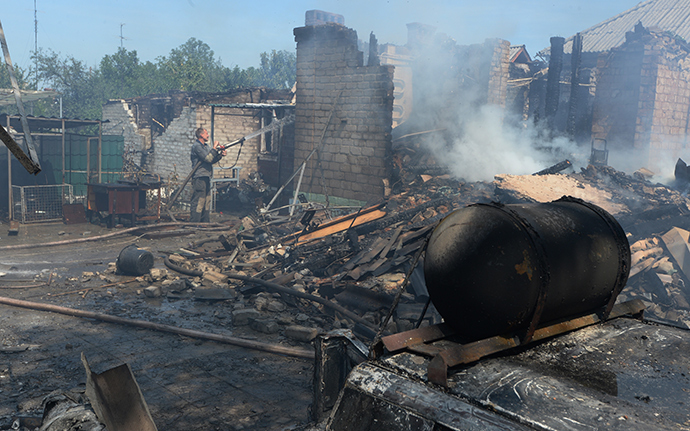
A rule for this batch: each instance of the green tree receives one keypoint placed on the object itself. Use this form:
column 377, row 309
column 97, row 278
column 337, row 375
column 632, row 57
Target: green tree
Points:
column 5, row 83
column 191, row 67
column 121, row 74
column 278, row 69
column 19, row 74
column 81, row 87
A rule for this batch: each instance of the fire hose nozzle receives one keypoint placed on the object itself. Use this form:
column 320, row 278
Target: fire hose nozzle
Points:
column 232, row 144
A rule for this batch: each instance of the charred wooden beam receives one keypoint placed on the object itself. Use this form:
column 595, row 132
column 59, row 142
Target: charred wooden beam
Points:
column 553, row 80
column 574, row 84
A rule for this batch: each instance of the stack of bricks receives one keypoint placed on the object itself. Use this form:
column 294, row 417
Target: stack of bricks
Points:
column 332, row 83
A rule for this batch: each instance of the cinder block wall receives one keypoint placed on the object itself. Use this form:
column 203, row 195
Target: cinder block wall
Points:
column 354, row 159
column 121, row 122
column 230, row 124
column 643, row 97
column 499, row 71
column 171, row 150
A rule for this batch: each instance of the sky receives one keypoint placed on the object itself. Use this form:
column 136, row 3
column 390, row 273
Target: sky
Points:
column 238, row 31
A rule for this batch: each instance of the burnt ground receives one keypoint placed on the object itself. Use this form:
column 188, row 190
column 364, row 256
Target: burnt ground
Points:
column 189, row 384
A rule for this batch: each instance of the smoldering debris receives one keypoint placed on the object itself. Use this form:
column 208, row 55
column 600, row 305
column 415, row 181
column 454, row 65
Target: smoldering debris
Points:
column 291, row 278
column 351, row 259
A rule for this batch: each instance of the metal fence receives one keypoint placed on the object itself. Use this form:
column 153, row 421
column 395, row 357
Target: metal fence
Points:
column 40, row 203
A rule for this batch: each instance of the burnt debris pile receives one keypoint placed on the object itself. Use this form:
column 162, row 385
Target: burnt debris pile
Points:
column 323, row 260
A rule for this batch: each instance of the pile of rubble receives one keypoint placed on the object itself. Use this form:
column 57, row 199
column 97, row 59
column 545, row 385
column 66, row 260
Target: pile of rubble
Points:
column 318, row 271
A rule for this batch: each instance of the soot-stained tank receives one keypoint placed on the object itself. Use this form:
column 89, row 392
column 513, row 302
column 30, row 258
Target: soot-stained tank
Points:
column 493, row 269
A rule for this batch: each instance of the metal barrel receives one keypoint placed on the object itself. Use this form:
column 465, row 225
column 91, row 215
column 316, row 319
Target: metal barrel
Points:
column 494, row 269
column 134, row 261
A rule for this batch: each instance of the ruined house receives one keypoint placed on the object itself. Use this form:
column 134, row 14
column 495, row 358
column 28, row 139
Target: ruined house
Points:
column 159, row 130
column 631, row 84
column 643, row 98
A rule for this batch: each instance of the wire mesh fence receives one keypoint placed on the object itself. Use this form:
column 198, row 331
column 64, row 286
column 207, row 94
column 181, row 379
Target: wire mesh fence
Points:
column 40, row 203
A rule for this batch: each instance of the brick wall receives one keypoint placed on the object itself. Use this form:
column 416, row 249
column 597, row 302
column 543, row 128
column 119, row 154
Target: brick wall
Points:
column 499, row 71
column 230, row 124
column 121, row 122
column 170, row 155
column 669, row 123
column 643, row 97
column 353, row 161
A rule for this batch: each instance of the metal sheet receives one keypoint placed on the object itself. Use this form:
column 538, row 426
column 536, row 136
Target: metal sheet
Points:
column 623, row 374
column 117, row 399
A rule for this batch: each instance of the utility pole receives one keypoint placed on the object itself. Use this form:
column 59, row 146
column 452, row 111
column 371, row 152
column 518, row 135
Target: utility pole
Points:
column 35, row 45
column 121, row 37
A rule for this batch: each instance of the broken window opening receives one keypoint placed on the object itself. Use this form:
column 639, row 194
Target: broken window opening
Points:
column 270, row 141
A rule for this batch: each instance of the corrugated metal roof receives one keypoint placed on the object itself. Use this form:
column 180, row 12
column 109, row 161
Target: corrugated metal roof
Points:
column 666, row 15
column 45, row 122
column 7, row 95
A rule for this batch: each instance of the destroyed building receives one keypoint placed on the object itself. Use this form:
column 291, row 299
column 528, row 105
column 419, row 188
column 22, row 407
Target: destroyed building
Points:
column 159, row 130
column 335, row 293
column 622, row 81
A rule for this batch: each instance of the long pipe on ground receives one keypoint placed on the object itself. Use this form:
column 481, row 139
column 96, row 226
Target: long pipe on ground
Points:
column 279, row 288
column 256, row 345
column 93, row 238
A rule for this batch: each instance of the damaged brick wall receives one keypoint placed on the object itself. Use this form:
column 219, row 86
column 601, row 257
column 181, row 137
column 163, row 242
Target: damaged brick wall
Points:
column 170, row 155
column 121, row 122
column 499, row 71
column 161, row 129
column 643, row 97
column 354, row 159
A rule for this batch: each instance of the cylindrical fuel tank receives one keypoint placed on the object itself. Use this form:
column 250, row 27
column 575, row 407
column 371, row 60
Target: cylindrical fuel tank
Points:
column 490, row 267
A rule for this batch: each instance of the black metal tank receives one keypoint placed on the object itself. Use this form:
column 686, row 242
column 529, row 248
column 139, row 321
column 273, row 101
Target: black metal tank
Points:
column 494, row 269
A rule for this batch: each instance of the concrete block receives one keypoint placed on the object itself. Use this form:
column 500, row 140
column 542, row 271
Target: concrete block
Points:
column 301, row 333
column 267, row 326
column 275, row 306
column 153, row 292
column 243, row 316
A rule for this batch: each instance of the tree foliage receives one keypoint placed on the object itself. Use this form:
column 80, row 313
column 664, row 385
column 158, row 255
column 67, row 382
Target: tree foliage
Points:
column 190, row 67
column 278, row 69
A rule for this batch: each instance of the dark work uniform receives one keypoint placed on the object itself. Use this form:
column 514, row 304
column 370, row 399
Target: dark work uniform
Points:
column 201, row 181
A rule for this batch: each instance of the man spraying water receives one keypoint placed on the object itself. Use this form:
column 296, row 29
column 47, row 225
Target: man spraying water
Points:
column 205, row 156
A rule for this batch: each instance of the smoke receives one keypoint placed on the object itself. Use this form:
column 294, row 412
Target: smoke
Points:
column 453, row 92
column 487, row 144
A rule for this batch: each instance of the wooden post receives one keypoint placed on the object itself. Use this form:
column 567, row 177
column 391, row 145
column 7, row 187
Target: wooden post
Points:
column 573, row 108
column 553, row 80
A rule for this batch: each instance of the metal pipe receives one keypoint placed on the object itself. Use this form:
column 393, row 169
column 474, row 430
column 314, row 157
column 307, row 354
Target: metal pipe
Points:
column 256, row 345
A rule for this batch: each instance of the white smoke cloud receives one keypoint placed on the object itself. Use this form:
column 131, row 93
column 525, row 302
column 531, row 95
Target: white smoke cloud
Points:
column 489, row 145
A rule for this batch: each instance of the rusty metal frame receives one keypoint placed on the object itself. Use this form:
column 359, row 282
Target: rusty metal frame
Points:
column 449, row 354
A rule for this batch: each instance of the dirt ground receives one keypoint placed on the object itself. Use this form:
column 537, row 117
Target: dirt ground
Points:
column 189, row 384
